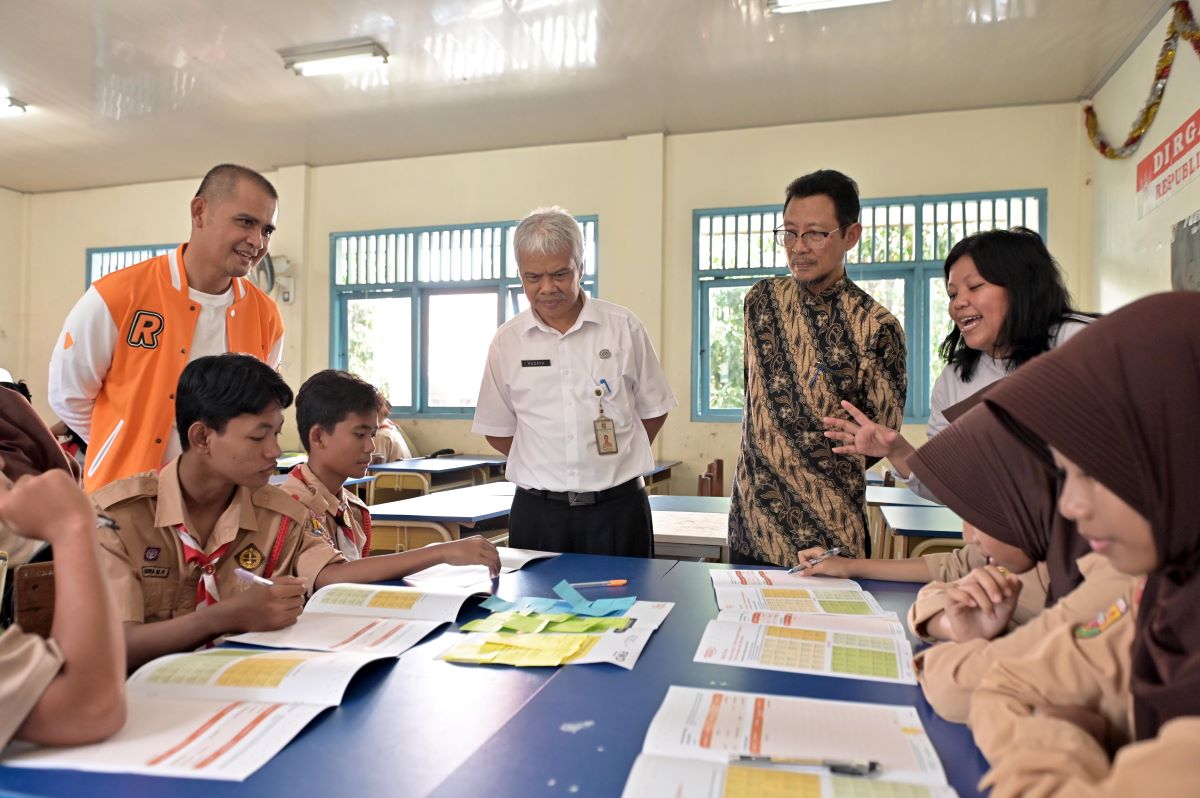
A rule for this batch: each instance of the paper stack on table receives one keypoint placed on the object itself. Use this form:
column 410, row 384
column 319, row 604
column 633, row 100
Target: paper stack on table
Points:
column 713, row 743
column 569, row 630
column 830, row 627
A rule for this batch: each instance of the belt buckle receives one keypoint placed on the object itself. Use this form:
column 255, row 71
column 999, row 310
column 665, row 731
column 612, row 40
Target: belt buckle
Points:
column 580, row 498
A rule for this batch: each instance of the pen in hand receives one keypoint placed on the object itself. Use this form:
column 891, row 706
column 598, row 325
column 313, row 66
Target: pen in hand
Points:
column 835, row 551
column 245, row 575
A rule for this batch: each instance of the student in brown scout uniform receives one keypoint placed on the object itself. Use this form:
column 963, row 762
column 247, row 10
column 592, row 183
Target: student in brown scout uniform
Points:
column 184, row 531
column 68, row 689
column 1018, row 509
column 1116, row 406
column 390, row 443
column 337, row 414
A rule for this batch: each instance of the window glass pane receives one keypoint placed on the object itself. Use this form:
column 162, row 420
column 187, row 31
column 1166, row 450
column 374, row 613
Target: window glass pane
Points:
column 939, row 325
column 460, row 328
column 726, row 366
column 380, row 348
column 888, row 292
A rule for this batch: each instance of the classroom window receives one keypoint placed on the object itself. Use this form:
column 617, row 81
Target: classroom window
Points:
column 106, row 260
column 414, row 309
column 898, row 261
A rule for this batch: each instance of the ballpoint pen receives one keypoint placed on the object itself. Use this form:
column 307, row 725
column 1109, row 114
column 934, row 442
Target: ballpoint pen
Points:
column 836, row 550
column 843, row 767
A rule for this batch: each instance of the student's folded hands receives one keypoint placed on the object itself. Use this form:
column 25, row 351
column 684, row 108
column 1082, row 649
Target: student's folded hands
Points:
column 981, row 604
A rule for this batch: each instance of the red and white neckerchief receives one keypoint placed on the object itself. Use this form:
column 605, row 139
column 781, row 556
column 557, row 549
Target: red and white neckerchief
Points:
column 343, row 530
column 193, row 554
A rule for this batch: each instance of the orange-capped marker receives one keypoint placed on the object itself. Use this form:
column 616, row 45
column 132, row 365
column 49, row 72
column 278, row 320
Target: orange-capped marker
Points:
column 602, row 583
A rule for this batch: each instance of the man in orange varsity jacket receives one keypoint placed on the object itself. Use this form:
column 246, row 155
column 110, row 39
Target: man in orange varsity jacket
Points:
column 115, row 366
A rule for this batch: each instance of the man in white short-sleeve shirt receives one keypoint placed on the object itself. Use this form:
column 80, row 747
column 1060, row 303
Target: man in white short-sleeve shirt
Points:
column 574, row 394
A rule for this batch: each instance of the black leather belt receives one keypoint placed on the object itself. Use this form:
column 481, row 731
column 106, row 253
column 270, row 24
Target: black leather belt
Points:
column 579, row 498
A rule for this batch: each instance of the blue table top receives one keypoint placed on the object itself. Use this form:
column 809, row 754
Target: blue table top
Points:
column 420, row 726
column 533, row 756
column 690, row 504
column 923, row 522
column 878, row 494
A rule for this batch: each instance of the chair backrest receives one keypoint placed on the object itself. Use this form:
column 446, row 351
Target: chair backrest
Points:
column 33, row 597
column 704, row 485
column 716, row 470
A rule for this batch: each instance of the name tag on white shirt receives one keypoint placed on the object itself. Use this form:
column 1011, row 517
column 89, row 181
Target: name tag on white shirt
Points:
column 534, row 363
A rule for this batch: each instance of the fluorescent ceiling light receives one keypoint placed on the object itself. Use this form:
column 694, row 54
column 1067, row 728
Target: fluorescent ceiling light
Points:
column 334, row 58
column 11, row 106
column 795, row 6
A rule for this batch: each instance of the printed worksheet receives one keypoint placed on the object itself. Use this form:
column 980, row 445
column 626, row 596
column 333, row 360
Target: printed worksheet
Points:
column 367, row 618
column 219, row 714
column 444, row 575
column 822, row 600
column 801, row 649
column 711, row 743
column 887, row 624
column 656, row 776
column 776, row 578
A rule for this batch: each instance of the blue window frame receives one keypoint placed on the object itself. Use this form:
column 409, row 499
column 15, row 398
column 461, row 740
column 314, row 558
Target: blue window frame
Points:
column 898, row 261
column 105, row 260
column 412, row 310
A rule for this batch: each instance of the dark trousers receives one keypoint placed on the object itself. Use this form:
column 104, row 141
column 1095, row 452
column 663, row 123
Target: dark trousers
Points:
column 619, row 526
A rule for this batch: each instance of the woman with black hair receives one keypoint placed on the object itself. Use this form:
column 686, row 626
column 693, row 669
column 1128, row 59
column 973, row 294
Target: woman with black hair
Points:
column 1009, row 304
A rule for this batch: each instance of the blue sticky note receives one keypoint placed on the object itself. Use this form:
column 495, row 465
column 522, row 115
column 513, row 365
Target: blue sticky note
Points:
column 581, row 606
column 496, row 604
column 569, row 594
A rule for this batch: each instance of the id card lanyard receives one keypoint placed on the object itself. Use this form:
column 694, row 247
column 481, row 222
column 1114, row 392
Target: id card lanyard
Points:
column 605, row 429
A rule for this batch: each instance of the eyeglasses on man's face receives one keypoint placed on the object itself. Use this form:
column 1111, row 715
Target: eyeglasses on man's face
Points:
column 813, row 239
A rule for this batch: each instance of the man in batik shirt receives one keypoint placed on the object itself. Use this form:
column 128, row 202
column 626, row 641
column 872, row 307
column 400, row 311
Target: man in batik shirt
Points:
column 812, row 340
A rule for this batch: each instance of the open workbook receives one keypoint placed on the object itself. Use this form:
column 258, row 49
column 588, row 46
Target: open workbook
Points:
column 724, row 744
column 216, row 714
column 368, row 618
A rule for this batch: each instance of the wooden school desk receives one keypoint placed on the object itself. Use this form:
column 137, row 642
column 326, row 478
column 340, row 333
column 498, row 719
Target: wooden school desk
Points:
column 420, row 726
column 909, row 524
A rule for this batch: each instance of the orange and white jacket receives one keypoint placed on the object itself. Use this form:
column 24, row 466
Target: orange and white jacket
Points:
column 117, row 362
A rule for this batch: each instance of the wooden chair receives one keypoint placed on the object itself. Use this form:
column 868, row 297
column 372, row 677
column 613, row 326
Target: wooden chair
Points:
column 712, row 481
column 935, row 545
column 33, row 597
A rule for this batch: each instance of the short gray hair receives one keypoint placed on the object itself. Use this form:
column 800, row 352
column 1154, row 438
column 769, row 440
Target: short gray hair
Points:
column 549, row 231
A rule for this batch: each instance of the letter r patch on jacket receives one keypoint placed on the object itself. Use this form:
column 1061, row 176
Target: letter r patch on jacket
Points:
column 145, row 329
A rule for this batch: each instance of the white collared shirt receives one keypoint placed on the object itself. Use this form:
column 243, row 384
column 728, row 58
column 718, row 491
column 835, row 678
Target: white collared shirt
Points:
column 539, row 389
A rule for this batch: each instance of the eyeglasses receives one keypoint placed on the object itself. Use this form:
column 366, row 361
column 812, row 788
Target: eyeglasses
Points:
column 813, row 239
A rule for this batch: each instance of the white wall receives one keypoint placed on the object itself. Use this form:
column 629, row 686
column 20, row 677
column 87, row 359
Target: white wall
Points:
column 1009, row 148
column 1132, row 255
column 643, row 189
column 13, row 220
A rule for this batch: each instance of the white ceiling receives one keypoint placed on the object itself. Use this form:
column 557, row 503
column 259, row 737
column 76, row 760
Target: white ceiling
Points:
column 126, row 91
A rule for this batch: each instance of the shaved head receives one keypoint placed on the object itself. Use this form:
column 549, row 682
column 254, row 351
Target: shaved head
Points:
column 219, row 183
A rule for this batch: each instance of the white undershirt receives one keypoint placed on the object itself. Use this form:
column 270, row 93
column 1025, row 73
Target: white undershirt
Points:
column 209, row 339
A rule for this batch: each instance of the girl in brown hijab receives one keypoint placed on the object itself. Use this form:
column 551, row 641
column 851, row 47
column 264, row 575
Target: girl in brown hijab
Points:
column 1117, row 407
column 1018, row 510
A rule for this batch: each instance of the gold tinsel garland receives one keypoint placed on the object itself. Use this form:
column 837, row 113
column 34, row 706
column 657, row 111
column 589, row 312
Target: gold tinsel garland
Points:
column 1182, row 24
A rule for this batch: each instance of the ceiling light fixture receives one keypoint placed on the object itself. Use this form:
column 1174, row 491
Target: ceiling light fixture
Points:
column 334, row 58
column 11, row 106
column 796, row 6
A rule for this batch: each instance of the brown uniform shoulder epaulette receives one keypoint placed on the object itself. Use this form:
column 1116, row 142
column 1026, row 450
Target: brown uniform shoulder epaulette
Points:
column 137, row 486
column 277, row 500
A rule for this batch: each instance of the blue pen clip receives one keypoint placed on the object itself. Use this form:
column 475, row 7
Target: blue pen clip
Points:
column 816, row 373
column 607, row 389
